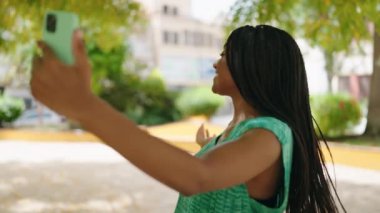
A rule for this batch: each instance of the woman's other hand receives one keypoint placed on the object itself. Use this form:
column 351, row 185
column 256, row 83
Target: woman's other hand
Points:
column 203, row 136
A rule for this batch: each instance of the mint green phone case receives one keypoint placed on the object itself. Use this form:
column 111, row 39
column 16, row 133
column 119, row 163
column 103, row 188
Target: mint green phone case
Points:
column 60, row 39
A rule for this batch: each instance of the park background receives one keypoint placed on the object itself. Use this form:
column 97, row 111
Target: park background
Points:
column 152, row 60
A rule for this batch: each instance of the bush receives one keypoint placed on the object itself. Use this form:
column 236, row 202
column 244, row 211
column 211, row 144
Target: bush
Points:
column 146, row 102
column 198, row 101
column 335, row 113
column 154, row 103
column 107, row 65
column 10, row 108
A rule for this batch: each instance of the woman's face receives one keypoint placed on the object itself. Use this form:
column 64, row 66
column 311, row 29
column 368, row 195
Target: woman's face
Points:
column 223, row 83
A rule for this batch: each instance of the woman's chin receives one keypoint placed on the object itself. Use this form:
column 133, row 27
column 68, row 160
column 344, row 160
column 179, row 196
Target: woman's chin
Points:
column 214, row 89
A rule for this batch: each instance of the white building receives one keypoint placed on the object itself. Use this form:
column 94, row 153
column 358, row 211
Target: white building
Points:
column 353, row 71
column 181, row 47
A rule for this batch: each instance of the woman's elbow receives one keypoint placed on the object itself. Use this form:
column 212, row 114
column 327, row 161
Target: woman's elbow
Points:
column 197, row 186
column 194, row 189
column 199, row 182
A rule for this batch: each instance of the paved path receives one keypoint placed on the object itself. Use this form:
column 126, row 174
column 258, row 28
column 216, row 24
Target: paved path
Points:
column 91, row 177
column 75, row 177
column 181, row 134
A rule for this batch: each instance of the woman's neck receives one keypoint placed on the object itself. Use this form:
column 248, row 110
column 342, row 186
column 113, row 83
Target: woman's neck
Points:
column 242, row 111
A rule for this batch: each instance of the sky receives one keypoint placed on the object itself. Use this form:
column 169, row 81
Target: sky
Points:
column 207, row 10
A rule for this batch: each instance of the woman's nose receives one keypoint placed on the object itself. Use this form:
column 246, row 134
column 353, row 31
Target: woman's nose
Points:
column 214, row 64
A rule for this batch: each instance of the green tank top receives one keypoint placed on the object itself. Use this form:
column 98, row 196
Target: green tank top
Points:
column 236, row 198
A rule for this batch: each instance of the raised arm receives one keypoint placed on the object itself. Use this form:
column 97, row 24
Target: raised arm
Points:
column 66, row 89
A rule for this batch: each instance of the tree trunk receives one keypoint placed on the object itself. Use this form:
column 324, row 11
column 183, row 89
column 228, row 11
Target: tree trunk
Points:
column 329, row 67
column 329, row 82
column 373, row 125
column 2, row 88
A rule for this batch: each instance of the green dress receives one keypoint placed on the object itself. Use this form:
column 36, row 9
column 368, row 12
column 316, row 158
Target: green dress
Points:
column 236, row 199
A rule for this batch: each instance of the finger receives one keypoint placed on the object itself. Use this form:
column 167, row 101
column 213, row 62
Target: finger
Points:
column 79, row 49
column 36, row 67
column 200, row 133
column 37, row 60
column 204, row 131
column 200, row 130
column 48, row 53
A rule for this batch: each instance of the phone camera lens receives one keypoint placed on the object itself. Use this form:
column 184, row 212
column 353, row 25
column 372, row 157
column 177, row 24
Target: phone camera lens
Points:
column 51, row 23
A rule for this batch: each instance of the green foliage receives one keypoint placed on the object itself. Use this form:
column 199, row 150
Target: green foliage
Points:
column 106, row 65
column 330, row 24
column 21, row 21
column 106, row 25
column 158, row 103
column 198, row 101
column 260, row 12
column 10, row 108
column 146, row 102
column 333, row 25
column 335, row 114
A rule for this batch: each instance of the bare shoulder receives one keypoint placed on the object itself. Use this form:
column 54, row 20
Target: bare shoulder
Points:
column 260, row 135
column 260, row 139
column 253, row 143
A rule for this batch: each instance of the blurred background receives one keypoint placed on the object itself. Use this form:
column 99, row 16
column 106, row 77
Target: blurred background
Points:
column 152, row 60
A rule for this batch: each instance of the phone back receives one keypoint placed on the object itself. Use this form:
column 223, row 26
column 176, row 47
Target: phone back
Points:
column 58, row 31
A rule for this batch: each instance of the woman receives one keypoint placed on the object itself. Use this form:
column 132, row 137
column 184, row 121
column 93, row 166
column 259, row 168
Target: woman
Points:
column 268, row 159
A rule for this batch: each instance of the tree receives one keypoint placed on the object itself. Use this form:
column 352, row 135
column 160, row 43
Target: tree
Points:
column 106, row 23
column 335, row 26
column 21, row 21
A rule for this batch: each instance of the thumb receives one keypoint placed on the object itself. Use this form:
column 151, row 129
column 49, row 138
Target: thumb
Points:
column 201, row 128
column 79, row 49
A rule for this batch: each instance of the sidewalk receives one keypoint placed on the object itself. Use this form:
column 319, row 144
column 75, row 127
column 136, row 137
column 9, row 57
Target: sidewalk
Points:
column 48, row 171
column 182, row 134
column 89, row 177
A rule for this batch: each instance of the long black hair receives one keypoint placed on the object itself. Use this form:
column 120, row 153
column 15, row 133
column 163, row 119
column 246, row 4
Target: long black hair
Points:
column 268, row 69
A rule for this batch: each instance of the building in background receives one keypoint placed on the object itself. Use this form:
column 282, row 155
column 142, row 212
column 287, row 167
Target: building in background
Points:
column 181, row 47
column 355, row 72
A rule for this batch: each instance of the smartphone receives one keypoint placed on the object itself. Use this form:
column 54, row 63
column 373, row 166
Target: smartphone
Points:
column 58, row 29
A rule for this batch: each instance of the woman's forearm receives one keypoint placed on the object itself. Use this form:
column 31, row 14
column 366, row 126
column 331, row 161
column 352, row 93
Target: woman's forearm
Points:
column 166, row 163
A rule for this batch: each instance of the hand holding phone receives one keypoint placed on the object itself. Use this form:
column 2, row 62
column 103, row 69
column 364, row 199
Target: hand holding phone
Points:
column 58, row 29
